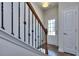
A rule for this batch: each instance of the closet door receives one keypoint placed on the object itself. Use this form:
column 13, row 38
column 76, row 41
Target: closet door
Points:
column 69, row 27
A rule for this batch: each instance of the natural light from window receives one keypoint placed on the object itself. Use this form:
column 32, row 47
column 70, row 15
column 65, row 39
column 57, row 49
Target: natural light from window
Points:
column 51, row 27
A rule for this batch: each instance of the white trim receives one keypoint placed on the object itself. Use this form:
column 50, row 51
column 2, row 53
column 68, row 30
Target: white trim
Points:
column 18, row 42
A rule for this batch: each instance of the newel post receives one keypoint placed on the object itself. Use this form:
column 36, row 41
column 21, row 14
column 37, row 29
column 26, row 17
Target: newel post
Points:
column 46, row 46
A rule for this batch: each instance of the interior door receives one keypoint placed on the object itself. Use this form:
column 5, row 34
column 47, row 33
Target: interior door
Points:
column 69, row 27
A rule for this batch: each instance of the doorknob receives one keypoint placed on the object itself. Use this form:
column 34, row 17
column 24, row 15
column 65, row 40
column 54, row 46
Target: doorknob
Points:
column 65, row 33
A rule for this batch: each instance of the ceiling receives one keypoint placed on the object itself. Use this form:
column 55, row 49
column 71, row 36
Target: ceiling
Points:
column 51, row 5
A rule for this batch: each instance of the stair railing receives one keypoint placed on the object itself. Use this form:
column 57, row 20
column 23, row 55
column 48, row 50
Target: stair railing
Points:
column 20, row 20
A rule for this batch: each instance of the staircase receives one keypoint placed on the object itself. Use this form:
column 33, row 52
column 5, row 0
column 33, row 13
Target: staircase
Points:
column 21, row 31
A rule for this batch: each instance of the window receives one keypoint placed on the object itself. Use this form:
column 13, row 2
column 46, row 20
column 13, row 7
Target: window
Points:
column 51, row 27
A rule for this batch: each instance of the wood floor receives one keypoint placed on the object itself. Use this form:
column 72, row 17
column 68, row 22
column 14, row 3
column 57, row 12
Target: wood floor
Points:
column 53, row 51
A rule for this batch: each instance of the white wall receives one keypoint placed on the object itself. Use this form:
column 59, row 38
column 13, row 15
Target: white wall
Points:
column 10, row 49
column 49, row 14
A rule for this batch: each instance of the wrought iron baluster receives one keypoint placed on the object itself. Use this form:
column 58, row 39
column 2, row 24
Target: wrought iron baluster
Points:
column 12, row 18
column 24, row 21
column 35, row 32
column 32, row 30
column 28, row 26
column 19, row 20
column 2, row 15
column 42, row 36
column 38, row 34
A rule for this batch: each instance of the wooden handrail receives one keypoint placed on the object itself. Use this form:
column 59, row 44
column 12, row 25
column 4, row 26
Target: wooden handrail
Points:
column 38, row 19
column 33, row 11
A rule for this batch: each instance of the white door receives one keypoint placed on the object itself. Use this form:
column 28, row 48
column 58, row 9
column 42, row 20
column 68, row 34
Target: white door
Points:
column 69, row 27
